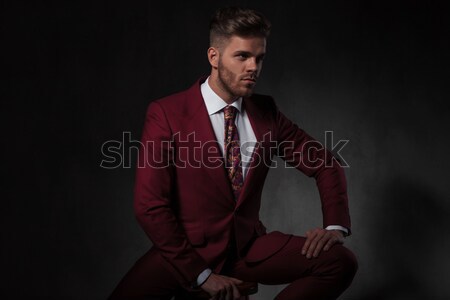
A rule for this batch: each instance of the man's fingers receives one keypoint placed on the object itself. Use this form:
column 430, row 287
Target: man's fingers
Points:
column 235, row 280
column 236, row 294
column 233, row 293
column 216, row 296
column 320, row 245
column 323, row 240
column 334, row 240
column 229, row 291
column 309, row 237
column 312, row 246
column 305, row 246
column 221, row 287
column 318, row 235
column 330, row 243
column 223, row 294
column 318, row 240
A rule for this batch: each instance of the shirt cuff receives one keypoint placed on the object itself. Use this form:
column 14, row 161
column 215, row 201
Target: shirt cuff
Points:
column 338, row 227
column 203, row 276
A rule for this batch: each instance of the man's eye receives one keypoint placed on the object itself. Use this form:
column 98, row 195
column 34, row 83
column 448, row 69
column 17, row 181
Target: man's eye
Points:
column 242, row 56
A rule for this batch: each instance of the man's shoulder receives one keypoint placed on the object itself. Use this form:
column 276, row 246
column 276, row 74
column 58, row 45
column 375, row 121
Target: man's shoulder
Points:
column 173, row 99
column 182, row 99
column 262, row 99
column 263, row 103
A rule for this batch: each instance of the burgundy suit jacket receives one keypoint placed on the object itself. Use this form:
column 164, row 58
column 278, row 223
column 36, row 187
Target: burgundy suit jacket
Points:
column 183, row 198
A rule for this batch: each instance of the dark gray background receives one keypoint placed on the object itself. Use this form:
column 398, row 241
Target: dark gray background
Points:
column 80, row 74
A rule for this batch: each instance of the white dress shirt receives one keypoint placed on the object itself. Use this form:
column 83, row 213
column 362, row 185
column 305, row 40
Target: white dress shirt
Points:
column 214, row 105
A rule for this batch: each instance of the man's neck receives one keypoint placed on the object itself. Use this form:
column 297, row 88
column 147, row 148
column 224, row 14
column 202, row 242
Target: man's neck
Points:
column 213, row 82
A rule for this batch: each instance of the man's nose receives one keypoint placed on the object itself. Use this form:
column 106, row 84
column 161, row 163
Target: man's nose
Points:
column 252, row 65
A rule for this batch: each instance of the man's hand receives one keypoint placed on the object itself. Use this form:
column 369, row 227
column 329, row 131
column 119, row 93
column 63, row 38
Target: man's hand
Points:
column 221, row 287
column 321, row 239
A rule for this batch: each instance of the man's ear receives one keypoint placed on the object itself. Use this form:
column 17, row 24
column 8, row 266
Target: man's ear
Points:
column 213, row 56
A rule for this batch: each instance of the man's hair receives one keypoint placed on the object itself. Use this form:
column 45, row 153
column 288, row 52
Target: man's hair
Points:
column 242, row 22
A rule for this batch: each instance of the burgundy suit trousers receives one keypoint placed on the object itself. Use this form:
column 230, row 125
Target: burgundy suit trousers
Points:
column 325, row 277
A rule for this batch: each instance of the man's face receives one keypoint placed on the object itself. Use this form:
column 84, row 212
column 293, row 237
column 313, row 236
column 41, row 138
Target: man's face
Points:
column 239, row 65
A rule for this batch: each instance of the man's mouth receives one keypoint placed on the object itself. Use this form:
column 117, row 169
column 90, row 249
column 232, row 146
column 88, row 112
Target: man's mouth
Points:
column 250, row 79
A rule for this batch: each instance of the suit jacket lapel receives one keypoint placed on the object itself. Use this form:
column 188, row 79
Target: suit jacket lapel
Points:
column 212, row 160
column 260, row 128
column 198, row 121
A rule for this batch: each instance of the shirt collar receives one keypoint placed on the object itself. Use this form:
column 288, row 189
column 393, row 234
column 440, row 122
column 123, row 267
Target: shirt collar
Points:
column 213, row 102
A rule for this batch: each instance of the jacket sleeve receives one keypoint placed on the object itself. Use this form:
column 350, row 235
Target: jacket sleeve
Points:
column 153, row 197
column 306, row 154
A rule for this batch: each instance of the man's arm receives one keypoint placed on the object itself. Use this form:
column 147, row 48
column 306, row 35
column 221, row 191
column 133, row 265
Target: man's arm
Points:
column 153, row 197
column 300, row 150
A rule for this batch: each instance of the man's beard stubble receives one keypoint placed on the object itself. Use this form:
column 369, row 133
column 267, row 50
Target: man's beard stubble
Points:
column 227, row 78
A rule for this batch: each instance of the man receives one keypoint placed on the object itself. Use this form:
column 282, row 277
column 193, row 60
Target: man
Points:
column 206, row 152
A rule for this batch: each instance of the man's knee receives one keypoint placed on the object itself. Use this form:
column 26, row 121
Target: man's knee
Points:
column 345, row 263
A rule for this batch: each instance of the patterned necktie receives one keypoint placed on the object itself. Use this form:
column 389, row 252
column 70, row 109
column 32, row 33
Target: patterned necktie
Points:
column 233, row 151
